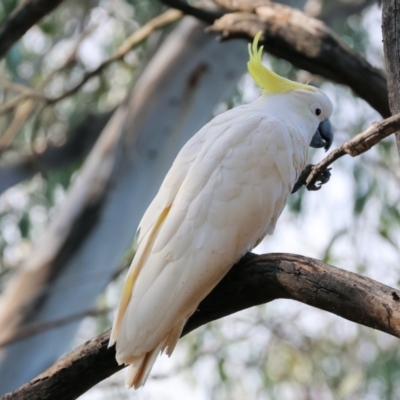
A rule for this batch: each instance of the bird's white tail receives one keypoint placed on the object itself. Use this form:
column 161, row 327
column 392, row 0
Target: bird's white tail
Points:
column 140, row 366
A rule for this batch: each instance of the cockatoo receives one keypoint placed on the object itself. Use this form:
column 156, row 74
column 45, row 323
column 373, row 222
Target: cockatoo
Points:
column 223, row 194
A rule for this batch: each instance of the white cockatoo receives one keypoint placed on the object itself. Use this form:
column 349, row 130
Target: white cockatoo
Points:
column 223, row 194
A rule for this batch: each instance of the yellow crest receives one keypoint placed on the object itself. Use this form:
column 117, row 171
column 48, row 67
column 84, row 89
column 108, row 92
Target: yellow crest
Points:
column 269, row 81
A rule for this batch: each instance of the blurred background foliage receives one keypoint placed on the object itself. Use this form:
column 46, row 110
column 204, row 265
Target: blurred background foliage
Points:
column 280, row 351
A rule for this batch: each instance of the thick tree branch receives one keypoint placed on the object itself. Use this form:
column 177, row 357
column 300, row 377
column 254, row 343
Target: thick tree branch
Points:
column 254, row 280
column 311, row 45
column 355, row 146
column 307, row 43
column 27, row 15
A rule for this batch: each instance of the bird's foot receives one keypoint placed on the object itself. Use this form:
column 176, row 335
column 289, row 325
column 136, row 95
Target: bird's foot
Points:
column 322, row 178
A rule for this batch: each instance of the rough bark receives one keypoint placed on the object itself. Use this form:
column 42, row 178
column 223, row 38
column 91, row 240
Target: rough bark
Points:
column 309, row 44
column 391, row 47
column 305, row 42
column 24, row 17
column 254, row 280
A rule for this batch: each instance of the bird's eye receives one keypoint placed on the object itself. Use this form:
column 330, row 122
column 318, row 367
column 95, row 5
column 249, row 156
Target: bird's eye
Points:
column 318, row 111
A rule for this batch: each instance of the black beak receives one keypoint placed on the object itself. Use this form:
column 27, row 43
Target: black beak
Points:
column 323, row 137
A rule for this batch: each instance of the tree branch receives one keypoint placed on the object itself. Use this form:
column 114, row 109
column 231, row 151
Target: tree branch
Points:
column 204, row 15
column 23, row 18
column 254, row 280
column 39, row 327
column 78, row 145
column 305, row 42
column 356, row 146
column 133, row 40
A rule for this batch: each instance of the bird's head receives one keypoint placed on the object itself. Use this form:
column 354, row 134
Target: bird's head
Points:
column 314, row 105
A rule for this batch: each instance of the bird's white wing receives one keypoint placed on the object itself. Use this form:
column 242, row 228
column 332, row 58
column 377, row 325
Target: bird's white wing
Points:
column 159, row 207
column 178, row 171
column 216, row 209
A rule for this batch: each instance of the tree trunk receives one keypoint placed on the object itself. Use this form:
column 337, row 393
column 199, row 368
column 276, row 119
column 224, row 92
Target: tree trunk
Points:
column 391, row 47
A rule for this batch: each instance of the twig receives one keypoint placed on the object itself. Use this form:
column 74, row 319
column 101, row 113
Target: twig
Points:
column 25, row 93
column 35, row 129
column 29, row 93
column 20, row 116
column 33, row 329
column 254, row 280
column 357, row 145
column 136, row 38
column 15, row 101
column 17, row 87
column 141, row 34
column 80, row 140
column 25, row 105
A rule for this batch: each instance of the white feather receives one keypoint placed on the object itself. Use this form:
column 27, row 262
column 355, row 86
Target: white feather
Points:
column 222, row 195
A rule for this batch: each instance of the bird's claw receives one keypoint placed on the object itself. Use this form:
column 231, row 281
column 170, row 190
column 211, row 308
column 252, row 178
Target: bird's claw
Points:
column 322, row 178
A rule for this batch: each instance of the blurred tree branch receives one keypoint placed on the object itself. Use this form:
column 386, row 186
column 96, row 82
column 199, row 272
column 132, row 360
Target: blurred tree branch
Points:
column 288, row 33
column 25, row 92
column 17, row 87
column 254, row 280
column 208, row 16
column 305, row 42
column 137, row 37
column 39, row 327
column 24, row 17
column 78, row 145
column 133, row 40
column 356, row 146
